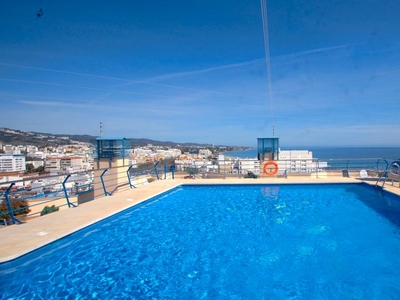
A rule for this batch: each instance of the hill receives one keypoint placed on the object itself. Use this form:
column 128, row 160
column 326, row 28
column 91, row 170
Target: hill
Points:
column 19, row 137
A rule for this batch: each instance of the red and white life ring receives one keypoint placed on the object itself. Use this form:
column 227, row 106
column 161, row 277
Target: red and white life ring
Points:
column 271, row 168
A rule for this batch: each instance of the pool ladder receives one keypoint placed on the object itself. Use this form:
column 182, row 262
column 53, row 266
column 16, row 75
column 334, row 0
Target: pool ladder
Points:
column 388, row 173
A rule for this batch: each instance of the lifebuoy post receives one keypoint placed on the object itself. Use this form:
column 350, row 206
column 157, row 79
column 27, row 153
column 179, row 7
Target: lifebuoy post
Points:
column 268, row 155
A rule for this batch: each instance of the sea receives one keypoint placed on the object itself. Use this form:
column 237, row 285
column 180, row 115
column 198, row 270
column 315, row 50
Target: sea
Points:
column 322, row 153
column 367, row 157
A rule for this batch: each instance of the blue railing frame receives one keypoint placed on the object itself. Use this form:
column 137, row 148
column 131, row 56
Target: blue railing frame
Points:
column 165, row 169
column 156, row 171
column 66, row 193
column 102, row 183
column 10, row 210
column 129, row 177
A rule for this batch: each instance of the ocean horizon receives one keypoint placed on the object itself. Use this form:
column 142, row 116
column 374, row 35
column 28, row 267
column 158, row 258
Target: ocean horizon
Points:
column 328, row 153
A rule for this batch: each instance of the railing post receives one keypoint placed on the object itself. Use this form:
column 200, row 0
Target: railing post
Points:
column 102, row 183
column 224, row 169
column 155, row 170
column 65, row 191
column 173, row 171
column 194, row 170
column 165, row 171
column 129, row 177
column 10, row 210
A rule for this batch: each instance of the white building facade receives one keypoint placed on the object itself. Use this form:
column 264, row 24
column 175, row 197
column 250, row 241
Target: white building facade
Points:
column 246, row 165
column 66, row 163
column 299, row 161
column 12, row 163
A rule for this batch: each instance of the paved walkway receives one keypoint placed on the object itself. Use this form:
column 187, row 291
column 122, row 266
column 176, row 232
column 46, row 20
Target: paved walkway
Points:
column 17, row 240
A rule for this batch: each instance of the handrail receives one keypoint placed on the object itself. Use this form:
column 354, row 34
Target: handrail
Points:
column 129, row 177
column 66, row 193
column 102, row 183
column 380, row 177
column 40, row 192
column 43, row 190
column 155, row 170
column 9, row 206
column 377, row 163
column 387, row 170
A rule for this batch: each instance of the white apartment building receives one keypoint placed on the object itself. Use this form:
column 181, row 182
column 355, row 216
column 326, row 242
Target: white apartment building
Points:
column 290, row 161
column 245, row 165
column 201, row 165
column 143, row 152
column 52, row 163
column 170, row 152
column 299, row 161
column 31, row 150
column 225, row 166
column 295, row 154
column 65, row 163
column 205, row 152
column 204, row 165
column 38, row 154
column 10, row 149
column 182, row 164
column 72, row 163
column 12, row 163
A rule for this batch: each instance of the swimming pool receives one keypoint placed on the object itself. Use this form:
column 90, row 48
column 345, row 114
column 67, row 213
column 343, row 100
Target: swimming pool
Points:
column 325, row 241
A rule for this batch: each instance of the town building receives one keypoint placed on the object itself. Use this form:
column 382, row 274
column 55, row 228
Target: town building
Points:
column 65, row 163
column 12, row 163
column 246, row 165
column 299, row 161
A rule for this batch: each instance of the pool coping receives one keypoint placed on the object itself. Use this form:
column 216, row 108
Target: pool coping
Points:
column 19, row 240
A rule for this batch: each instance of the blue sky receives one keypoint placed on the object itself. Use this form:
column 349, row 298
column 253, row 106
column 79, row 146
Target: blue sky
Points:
column 195, row 71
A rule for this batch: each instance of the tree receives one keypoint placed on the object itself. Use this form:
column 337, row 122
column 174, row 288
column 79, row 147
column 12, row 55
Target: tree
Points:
column 39, row 169
column 18, row 206
column 192, row 170
column 29, row 168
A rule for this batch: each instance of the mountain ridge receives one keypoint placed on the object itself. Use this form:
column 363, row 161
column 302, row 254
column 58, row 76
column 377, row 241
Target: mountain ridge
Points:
column 16, row 137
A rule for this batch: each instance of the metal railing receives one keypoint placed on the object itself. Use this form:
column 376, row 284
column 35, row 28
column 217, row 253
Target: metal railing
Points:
column 334, row 167
column 27, row 198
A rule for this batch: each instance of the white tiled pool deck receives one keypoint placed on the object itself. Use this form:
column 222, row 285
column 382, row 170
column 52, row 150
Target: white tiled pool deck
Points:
column 17, row 240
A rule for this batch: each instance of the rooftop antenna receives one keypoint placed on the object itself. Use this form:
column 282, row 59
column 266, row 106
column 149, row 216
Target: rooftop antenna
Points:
column 101, row 129
column 264, row 14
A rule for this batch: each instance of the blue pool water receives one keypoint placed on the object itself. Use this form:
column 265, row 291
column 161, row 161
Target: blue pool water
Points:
column 332, row 241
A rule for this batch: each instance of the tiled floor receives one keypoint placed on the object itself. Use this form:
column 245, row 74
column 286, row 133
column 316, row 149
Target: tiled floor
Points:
column 17, row 240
